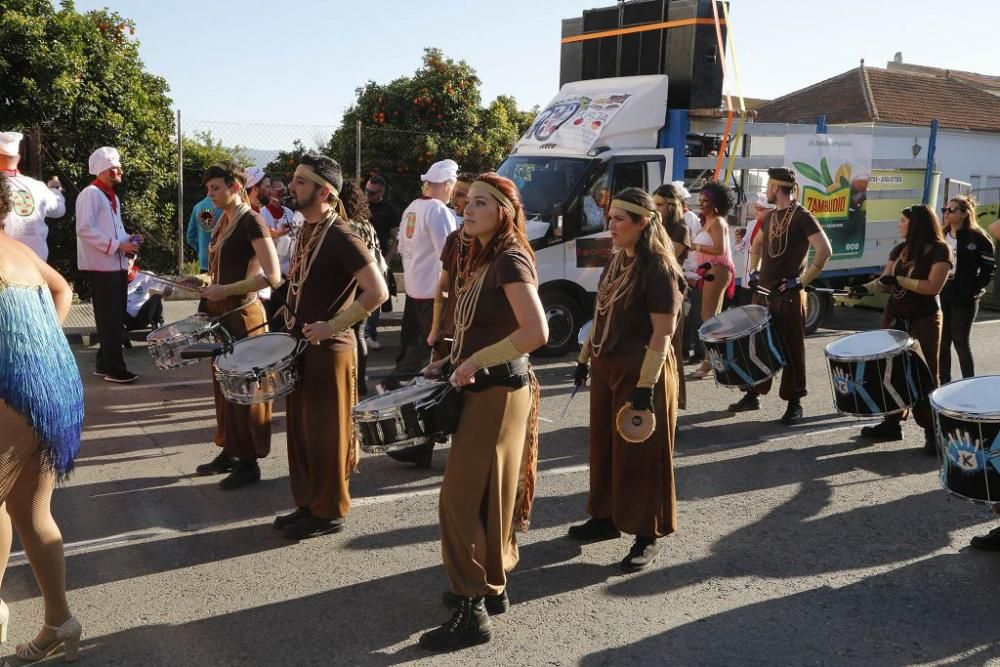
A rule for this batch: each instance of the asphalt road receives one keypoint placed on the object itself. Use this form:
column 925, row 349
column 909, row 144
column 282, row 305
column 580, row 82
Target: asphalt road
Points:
column 797, row 546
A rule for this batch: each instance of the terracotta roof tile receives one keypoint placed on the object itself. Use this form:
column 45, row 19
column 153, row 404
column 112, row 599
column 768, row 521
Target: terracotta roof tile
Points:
column 897, row 97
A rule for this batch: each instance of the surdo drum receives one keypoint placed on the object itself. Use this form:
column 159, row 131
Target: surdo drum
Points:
column 260, row 368
column 742, row 346
column 876, row 373
column 967, row 425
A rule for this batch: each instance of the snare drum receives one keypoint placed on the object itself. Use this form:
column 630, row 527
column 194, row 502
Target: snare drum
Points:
column 876, row 373
column 967, row 424
column 260, row 368
column 407, row 416
column 742, row 346
column 167, row 342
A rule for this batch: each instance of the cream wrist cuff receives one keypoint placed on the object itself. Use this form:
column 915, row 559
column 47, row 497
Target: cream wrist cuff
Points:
column 498, row 353
column 652, row 367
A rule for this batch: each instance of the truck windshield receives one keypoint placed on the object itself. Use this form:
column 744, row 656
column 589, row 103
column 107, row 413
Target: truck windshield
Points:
column 543, row 181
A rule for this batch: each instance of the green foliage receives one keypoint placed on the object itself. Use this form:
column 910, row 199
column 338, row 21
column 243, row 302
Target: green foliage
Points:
column 80, row 79
column 411, row 122
column 284, row 164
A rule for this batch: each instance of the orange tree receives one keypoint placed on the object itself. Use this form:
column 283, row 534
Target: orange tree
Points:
column 413, row 121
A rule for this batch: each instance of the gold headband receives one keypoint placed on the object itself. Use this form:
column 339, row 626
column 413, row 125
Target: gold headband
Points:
column 786, row 184
column 323, row 183
column 632, row 208
column 660, row 199
column 501, row 198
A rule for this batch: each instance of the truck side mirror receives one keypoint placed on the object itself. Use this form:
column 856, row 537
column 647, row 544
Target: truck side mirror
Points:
column 557, row 221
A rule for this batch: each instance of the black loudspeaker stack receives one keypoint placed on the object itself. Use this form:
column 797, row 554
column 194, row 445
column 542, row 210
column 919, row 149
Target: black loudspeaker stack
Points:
column 687, row 52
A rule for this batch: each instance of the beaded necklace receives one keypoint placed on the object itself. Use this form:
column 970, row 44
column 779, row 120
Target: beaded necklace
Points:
column 305, row 257
column 777, row 236
column 466, row 303
column 615, row 286
column 223, row 230
column 906, row 264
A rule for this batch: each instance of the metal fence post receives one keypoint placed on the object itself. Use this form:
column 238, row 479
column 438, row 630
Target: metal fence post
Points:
column 180, row 196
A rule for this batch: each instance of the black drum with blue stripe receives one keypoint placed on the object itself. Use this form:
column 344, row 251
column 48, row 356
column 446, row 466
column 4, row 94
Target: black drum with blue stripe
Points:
column 967, row 425
column 742, row 346
column 877, row 373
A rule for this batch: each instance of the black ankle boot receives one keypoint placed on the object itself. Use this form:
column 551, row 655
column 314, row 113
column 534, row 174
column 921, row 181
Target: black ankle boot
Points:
column 884, row 431
column 594, row 530
column 642, row 554
column 793, row 413
column 495, row 604
column 750, row 401
column 244, row 473
column 220, row 464
column 469, row 626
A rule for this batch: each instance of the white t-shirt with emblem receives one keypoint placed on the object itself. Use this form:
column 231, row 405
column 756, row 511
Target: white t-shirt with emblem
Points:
column 33, row 202
column 423, row 229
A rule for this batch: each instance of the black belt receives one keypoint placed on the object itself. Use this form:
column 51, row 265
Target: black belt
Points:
column 513, row 374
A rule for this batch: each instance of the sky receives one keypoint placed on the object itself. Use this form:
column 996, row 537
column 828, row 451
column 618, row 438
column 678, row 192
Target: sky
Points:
column 242, row 68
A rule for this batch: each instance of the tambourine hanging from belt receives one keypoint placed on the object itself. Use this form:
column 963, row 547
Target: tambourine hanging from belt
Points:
column 635, row 426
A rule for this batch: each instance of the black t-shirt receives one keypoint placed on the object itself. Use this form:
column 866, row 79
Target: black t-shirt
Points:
column 383, row 218
column 910, row 305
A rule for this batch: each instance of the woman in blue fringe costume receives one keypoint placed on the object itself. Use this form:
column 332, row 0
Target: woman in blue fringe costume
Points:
column 41, row 417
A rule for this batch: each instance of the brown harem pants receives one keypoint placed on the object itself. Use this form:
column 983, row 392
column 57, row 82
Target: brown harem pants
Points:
column 321, row 432
column 927, row 332
column 677, row 342
column 244, row 431
column 633, row 484
column 789, row 321
column 480, row 488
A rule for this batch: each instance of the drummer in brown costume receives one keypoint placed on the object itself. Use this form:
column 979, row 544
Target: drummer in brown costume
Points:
column 639, row 300
column 242, row 261
column 917, row 270
column 778, row 263
column 670, row 206
column 489, row 479
column 330, row 263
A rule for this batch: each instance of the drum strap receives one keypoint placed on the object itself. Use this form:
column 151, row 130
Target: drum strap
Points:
column 411, row 420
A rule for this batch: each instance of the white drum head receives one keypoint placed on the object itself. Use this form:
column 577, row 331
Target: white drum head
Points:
column 414, row 393
column 196, row 322
column 257, row 352
column 734, row 323
column 869, row 345
column 977, row 398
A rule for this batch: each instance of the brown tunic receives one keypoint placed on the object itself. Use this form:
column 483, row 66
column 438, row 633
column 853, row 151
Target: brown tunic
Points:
column 633, row 484
column 244, row 431
column 791, row 261
column 494, row 442
column 450, row 264
column 789, row 317
column 321, row 444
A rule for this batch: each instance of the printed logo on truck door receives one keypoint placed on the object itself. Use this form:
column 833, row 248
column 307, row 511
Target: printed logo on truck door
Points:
column 593, row 252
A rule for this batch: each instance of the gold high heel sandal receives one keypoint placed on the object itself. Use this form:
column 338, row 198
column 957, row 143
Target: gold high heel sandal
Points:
column 67, row 637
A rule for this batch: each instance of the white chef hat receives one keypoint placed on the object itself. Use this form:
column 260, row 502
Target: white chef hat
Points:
column 10, row 142
column 441, row 172
column 254, row 176
column 760, row 201
column 104, row 158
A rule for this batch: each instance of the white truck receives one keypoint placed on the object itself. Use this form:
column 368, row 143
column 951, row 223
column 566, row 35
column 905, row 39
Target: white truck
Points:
column 599, row 136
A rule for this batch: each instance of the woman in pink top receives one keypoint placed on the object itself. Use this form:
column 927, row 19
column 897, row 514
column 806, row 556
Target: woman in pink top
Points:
column 711, row 246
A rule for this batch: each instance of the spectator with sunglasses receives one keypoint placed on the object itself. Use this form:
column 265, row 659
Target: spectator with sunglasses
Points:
column 973, row 271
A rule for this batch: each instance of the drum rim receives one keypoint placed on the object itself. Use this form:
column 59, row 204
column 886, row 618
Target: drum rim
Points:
column 743, row 334
column 988, row 417
column 868, row 357
column 280, row 363
column 179, row 336
column 382, row 413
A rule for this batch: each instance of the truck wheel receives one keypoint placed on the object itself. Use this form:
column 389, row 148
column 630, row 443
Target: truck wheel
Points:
column 562, row 312
column 818, row 306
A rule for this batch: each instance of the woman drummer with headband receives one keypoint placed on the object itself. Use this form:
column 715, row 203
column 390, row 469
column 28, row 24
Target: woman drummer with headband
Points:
column 242, row 260
column 670, row 205
column 917, row 270
column 633, row 396
column 489, row 479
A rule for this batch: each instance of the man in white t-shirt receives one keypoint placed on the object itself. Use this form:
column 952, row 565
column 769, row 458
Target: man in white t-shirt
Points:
column 279, row 220
column 425, row 225
column 33, row 200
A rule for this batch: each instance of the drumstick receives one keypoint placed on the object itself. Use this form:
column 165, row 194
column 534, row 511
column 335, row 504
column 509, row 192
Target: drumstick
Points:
column 571, row 397
column 172, row 283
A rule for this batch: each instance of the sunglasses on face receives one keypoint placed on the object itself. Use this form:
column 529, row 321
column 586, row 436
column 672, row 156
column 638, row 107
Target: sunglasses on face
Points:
column 952, row 209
